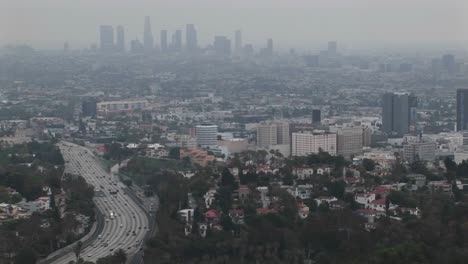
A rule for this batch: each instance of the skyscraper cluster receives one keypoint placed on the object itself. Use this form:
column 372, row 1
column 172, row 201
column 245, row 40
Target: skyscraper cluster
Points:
column 173, row 43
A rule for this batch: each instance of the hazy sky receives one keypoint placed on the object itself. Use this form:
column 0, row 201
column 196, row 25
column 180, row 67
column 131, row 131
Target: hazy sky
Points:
column 291, row 23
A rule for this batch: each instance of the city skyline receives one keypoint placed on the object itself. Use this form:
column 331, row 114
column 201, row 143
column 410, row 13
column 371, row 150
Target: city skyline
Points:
column 436, row 24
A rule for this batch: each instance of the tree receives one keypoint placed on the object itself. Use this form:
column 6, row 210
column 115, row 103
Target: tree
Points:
column 174, row 153
column 368, row 164
column 120, row 256
column 337, row 189
column 227, row 179
column 77, row 249
column 26, row 256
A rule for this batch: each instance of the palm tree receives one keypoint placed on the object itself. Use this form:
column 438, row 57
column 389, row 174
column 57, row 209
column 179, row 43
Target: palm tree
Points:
column 121, row 256
column 77, row 249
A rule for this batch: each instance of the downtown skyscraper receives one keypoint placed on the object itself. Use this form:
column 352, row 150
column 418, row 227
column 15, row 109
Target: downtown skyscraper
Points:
column 120, row 39
column 163, row 39
column 399, row 113
column 106, row 34
column 177, row 41
column 462, row 109
column 238, row 42
column 191, row 38
column 148, row 41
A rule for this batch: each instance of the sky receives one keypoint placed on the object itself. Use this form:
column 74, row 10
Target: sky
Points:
column 300, row 24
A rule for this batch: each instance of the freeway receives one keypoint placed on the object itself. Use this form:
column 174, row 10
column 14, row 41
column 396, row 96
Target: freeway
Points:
column 125, row 224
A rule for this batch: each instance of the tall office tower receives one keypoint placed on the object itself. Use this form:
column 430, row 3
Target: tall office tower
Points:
column 316, row 116
column 89, row 107
column 191, row 38
column 366, row 137
column 349, row 141
column 305, row 143
column 238, row 42
column 222, row 46
column 274, row 133
column 269, row 49
column 448, row 63
column 207, row 135
column 120, row 39
column 267, row 135
column 332, row 47
column 107, row 38
column 462, row 109
column 148, row 41
column 399, row 113
column 177, row 41
column 282, row 131
column 163, row 41
column 66, row 47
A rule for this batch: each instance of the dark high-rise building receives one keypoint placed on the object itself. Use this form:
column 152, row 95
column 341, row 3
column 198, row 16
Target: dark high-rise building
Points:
column 222, row 46
column 163, row 41
column 89, row 107
column 106, row 33
column 316, row 116
column 238, row 42
column 120, row 39
column 148, row 41
column 177, row 41
column 191, row 38
column 399, row 113
column 66, row 47
column 448, row 63
column 462, row 109
column 332, row 47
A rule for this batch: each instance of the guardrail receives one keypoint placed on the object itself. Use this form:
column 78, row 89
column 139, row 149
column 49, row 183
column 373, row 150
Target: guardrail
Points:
column 93, row 233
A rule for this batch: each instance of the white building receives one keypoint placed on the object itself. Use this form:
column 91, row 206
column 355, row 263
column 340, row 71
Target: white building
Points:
column 120, row 106
column 421, row 150
column 207, row 135
column 306, row 143
column 234, row 145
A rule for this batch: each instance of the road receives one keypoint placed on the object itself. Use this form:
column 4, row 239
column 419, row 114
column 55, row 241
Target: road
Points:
column 126, row 223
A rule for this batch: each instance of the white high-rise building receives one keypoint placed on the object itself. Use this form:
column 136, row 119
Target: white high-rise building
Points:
column 305, row 143
column 207, row 135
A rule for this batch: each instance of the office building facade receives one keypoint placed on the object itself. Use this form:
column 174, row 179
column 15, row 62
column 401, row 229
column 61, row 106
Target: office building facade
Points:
column 399, row 113
column 207, row 135
column 222, row 46
column 148, row 40
column 120, row 39
column 238, row 42
column 305, row 143
column 462, row 109
column 316, row 116
column 163, row 39
column 349, row 141
column 419, row 150
column 191, row 38
column 106, row 33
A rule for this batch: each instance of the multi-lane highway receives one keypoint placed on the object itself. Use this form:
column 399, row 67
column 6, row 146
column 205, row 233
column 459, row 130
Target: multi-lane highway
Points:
column 125, row 223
